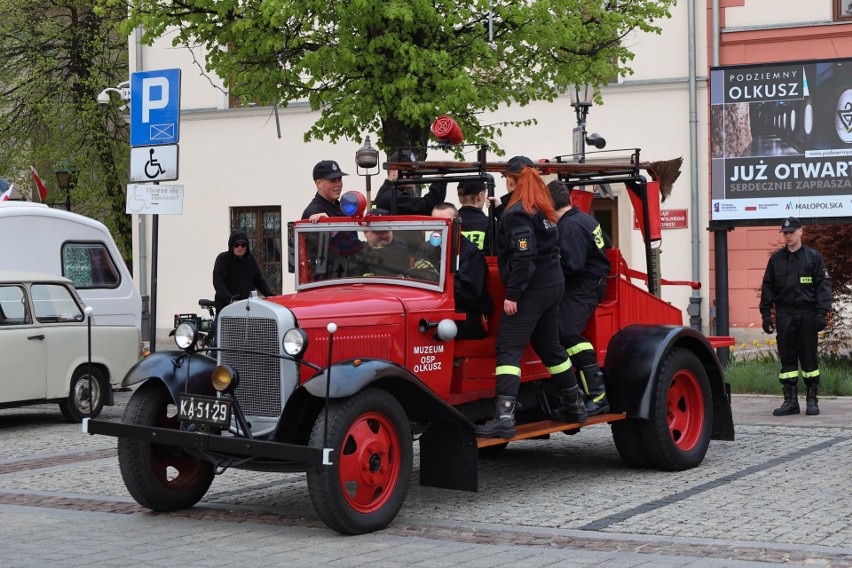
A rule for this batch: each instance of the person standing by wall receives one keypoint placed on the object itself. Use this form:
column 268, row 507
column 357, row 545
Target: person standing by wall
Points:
column 236, row 273
column 585, row 266
column 796, row 283
column 528, row 261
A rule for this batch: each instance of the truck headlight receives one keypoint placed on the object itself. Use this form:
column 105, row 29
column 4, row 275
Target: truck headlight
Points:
column 186, row 336
column 224, row 378
column 295, row 342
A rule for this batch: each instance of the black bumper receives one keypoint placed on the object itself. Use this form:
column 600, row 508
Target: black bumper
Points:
column 213, row 443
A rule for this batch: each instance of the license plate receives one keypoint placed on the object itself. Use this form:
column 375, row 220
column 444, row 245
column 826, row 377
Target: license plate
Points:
column 206, row 409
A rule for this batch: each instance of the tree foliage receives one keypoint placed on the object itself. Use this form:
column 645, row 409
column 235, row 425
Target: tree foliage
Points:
column 55, row 57
column 834, row 242
column 392, row 66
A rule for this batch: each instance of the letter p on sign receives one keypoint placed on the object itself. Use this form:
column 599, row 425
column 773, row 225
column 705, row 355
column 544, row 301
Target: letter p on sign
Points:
column 155, row 95
column 155, row 107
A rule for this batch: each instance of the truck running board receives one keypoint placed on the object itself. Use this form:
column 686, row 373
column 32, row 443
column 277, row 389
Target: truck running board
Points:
column 544, row 427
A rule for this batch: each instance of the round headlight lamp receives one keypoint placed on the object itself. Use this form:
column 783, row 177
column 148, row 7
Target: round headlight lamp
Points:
column 186, row 335
column 295, row 342
column 224, row 378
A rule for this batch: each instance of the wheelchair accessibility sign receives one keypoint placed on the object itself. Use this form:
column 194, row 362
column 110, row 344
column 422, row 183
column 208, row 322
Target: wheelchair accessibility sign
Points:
column 154, row 163
column 155, row 108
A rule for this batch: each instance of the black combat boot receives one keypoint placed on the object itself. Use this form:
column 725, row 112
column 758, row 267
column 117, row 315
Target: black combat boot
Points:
column 573, row 409
column 503, row 423
column 593, row 385
column 791, row 401
column 813, row 407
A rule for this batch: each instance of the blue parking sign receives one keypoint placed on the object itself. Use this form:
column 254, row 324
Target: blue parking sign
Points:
column 155, row 107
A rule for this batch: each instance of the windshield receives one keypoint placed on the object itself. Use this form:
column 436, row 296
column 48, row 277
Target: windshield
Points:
column 402, row 252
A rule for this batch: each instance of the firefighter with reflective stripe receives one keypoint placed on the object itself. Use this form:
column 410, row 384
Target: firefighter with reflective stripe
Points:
column 796, row 283
column 585, row 266
column 473, row 219
column 528, row 261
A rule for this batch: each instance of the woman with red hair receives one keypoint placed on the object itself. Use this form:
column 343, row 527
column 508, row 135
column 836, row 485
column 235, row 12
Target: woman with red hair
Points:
column 528, row 260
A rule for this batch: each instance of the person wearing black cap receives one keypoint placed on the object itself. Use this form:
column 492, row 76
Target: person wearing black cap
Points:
column 236, row 273
column 407, row 203
column 473, row 219
column 528, row 261
column 328, row 178
column 797, row 284
column 585, row 266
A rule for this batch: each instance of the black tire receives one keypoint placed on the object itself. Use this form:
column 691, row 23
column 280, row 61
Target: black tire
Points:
column 678, row 434
column 492, row 451
column 76, row 406
column 628, row 440
column 160, row 478
column 373, row 454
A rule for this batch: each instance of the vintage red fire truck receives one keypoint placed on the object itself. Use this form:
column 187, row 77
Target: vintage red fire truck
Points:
column 339, row 378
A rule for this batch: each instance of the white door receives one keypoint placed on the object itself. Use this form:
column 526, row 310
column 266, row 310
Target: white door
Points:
column 23, row 355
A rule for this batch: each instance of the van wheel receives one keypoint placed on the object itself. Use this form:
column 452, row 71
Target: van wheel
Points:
column 366, row 484
column 78, row 404
column 678, row 434
column 160, row 478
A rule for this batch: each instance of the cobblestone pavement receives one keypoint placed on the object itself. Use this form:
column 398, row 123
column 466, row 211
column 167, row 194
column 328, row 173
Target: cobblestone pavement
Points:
column 778, row 494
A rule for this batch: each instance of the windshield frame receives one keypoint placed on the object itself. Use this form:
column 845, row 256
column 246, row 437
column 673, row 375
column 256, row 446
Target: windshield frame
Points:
column 335, row 224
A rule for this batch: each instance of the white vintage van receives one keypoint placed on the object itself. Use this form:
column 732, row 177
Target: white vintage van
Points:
column 38, row 238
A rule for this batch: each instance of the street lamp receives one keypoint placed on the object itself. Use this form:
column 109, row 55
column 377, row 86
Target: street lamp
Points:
column 581, row 100
column 367, row 158
column 66, row 178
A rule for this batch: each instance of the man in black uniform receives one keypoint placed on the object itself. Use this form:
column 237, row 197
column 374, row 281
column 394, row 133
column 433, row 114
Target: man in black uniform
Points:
column 469, row 284
column 383, row 254
column 407, row 203
column 475, row 225
column 333, row 262
column 582, row 251
column 796, row 283
column 236, row 274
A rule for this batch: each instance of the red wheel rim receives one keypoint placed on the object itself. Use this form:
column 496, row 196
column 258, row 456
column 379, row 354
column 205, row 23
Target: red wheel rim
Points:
column 685, row 410
column 174, row 469
column 369, row 462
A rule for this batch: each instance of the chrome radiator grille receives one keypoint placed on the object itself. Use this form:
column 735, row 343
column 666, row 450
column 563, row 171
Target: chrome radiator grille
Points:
column 259, row 392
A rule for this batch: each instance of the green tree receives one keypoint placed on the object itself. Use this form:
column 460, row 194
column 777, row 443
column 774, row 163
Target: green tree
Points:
column 55, row 57
column 392, row 66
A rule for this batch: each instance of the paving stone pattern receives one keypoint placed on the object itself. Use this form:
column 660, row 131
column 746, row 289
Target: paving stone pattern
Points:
column 779, row 494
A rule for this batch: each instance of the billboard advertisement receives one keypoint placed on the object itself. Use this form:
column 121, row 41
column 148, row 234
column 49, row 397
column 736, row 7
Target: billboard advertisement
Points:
column 781, row 142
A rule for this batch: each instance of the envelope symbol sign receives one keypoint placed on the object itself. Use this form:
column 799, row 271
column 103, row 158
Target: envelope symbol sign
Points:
column 163, row 131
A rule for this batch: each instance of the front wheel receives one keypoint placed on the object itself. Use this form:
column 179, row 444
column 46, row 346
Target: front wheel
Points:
column 364, row 488
column 678, row 434
column 161, row 478
column 85, row 396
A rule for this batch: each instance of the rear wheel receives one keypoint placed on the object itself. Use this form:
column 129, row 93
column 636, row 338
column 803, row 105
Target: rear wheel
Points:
column 678, row 434
column 628, row 440
column 364, row 488
column 85, row 396
column 161, row 478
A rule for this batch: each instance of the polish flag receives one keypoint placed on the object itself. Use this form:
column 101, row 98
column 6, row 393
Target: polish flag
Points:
column 42, row 190
column 7, row 195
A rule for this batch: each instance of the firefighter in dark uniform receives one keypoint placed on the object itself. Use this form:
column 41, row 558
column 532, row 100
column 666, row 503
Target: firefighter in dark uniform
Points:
column 585, row 266
column 328, row 178
column 528, row 260
column 796, row 283
column 407, row 203
column 473, row 219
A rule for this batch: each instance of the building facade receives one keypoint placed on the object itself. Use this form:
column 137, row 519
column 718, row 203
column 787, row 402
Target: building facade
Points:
column 238, row 172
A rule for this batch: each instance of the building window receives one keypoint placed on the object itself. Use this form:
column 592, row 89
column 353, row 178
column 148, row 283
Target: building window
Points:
column 842, row 10
column 263, row 227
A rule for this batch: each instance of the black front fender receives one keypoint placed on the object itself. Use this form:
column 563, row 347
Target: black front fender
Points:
column 634, row 358
column 178, row 371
